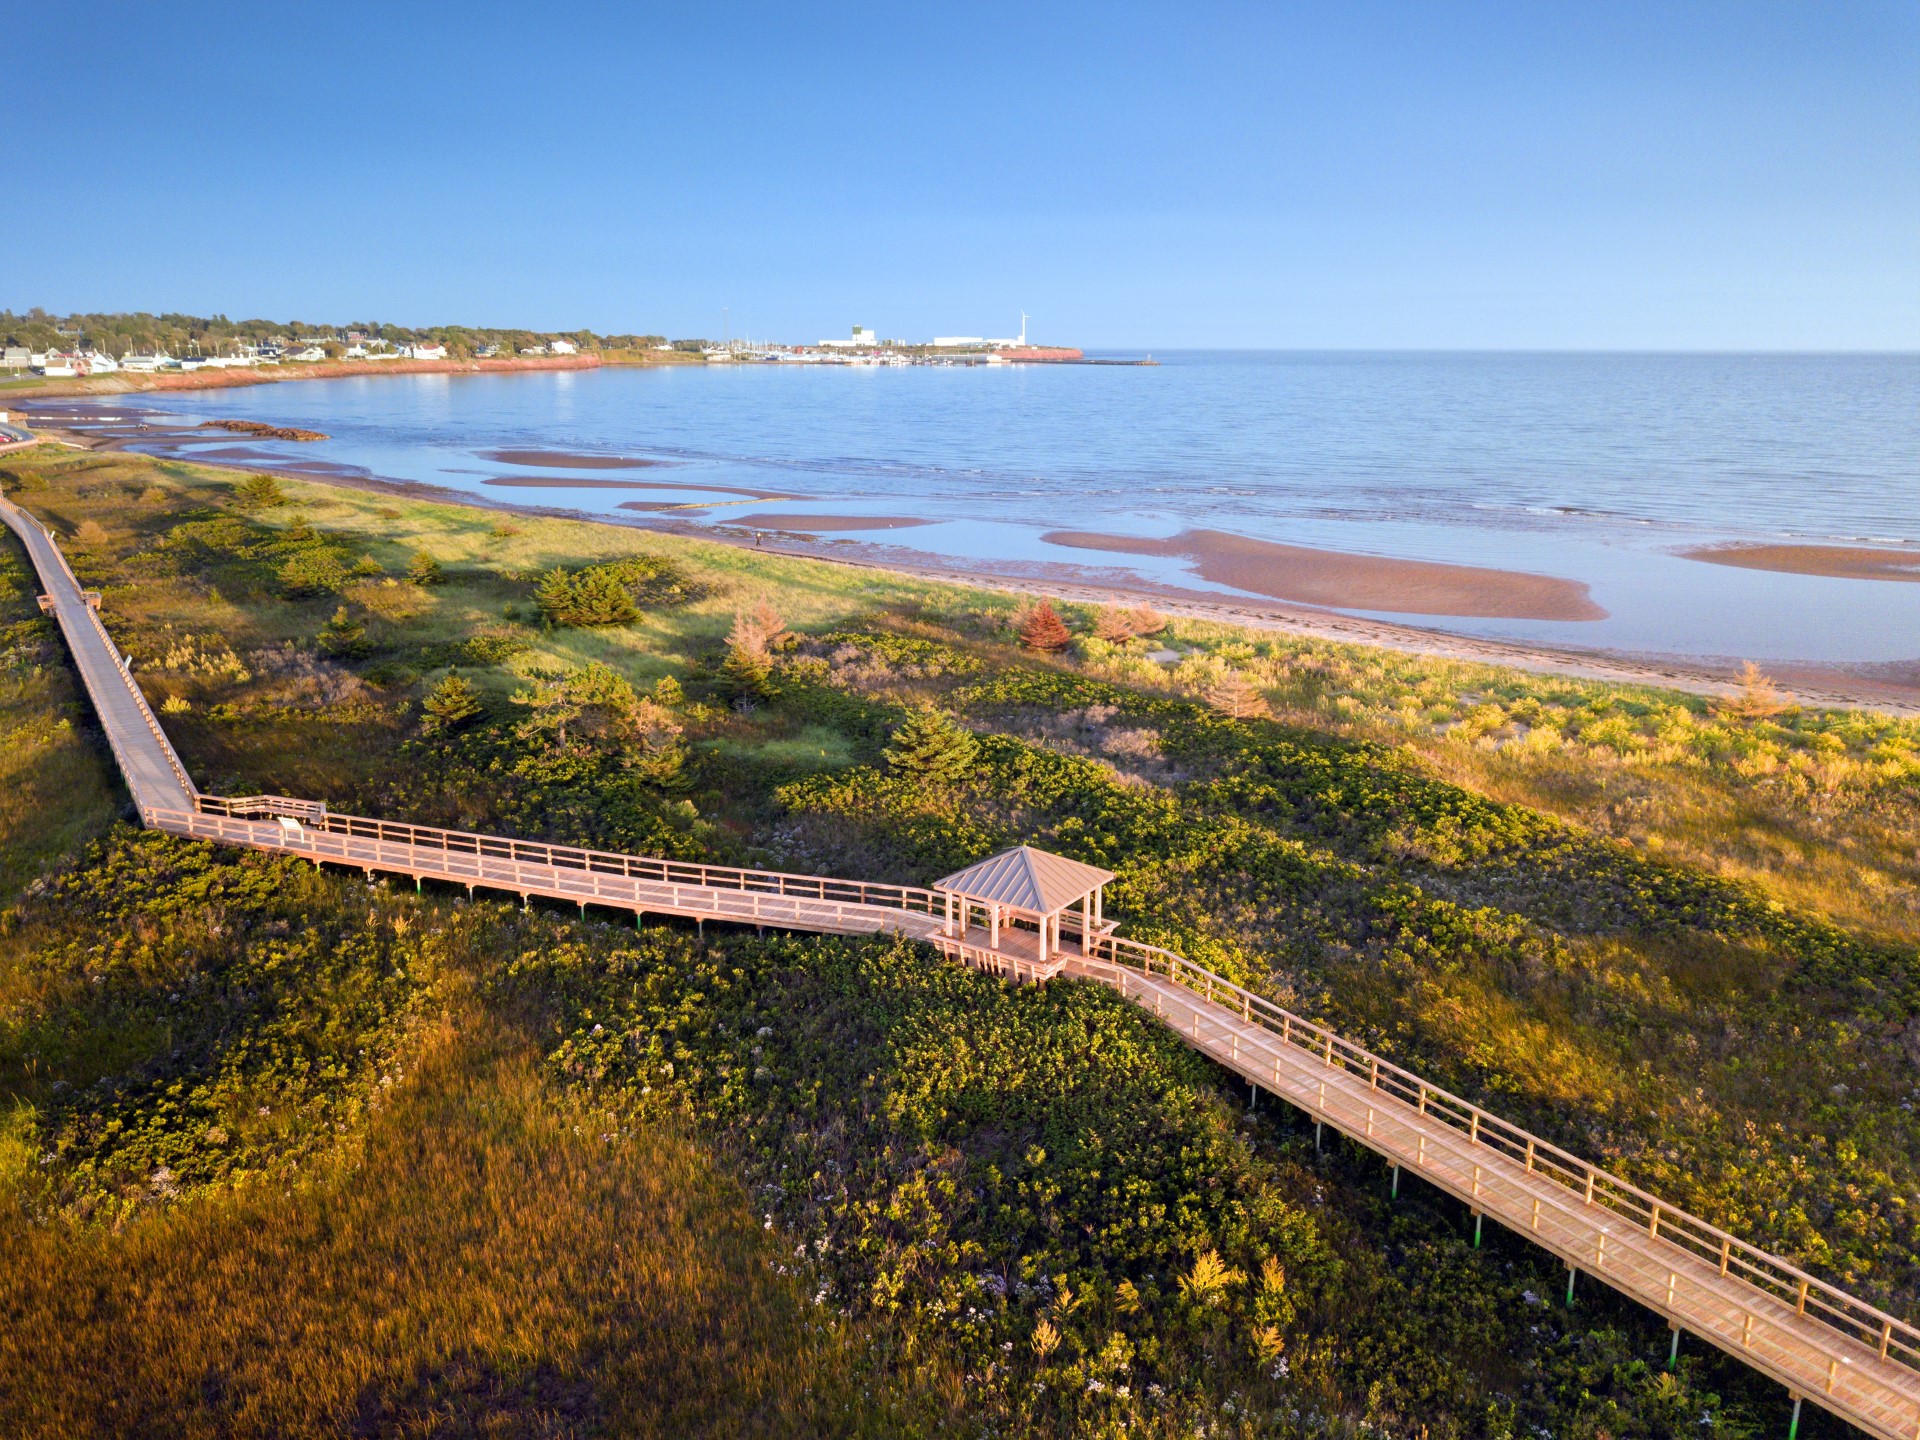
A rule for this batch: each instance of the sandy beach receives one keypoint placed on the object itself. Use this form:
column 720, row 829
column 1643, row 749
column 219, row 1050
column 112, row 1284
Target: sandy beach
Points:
column 543, row 482
column 1893, row 688
column 1839, row 562
column 1355, row 582
column 562, row 460
column 825, row 524
column 125, row 382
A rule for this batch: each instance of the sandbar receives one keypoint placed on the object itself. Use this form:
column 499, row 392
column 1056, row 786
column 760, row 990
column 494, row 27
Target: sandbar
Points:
column 561, row 460
column 1355, row 582
column 826, row 523
column 549, row 482
column 1839, row 562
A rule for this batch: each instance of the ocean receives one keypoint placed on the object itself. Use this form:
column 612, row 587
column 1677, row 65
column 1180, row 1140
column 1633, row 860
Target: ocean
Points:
column 1602, row 470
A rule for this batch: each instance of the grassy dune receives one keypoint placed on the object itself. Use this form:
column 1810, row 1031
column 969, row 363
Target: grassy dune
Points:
column 288, row 1153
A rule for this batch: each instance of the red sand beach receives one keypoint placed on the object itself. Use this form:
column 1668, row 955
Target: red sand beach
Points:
column 1839, row 562
column 561, row 460
column 824, row 524
column 1355, row 582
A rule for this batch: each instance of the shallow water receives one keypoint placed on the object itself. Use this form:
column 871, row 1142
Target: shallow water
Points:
column 1598, row 468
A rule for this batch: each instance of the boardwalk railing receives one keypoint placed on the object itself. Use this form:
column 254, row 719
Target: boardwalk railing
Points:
column 91, row 616
column 1890, row 1337
column 315, row 818
column 1824, row 1343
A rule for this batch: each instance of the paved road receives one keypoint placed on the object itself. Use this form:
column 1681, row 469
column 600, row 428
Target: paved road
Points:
column 152, row 771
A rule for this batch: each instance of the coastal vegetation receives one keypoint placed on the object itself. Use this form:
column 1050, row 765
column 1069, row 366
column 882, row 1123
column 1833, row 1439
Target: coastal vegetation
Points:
column 284, row 1151
column 120, row 333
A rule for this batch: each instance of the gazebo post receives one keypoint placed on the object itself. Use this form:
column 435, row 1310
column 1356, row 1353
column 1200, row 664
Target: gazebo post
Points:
column 993, row 927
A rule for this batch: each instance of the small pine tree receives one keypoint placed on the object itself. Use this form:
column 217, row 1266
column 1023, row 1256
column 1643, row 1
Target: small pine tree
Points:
column 759, row 628
column 1113, row 625
column 1144, row 620
column 452, row 703
column 1043, row 629
column 746, row 672
column 423, row 569
column 930, row 747
column 257, row 492
column 343, row 637
column 1758, row 699
column 554, row 596
column 1233, row 696
column 668, row 692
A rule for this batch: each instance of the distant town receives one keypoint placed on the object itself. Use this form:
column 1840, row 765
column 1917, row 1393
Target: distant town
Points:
column 60, row 347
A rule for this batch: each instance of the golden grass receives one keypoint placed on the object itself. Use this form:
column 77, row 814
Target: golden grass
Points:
column 501, row 1260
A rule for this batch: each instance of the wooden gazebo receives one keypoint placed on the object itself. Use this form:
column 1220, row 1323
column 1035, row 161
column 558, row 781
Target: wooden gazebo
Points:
column 1028, row 899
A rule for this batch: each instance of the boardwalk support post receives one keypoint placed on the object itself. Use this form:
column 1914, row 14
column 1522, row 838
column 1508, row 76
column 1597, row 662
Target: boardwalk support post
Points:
column 1793, row 1425
column 418, row 885
column 1571, row 1272
column 1673, row 1351
column 1318, row 1127
column 1396, row 1182
column 1477, row 1218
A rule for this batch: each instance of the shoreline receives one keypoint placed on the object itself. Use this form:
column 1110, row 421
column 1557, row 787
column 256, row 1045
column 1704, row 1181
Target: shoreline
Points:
column 1891, row 688
column 123, row 382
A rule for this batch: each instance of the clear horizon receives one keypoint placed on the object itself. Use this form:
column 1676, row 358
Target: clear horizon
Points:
column 1735, row 178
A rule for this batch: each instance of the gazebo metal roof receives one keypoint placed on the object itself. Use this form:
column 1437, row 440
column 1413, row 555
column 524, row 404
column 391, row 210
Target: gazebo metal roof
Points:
column 1026, row 879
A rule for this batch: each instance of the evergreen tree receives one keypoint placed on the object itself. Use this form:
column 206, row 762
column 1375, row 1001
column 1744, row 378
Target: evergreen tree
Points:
column 1233, row 695
column 746, row 673
column 453, row 703
column 423, row 569
column 1043, row 629
column 930, row 747
column 1144, row 620
column 343, row 637
column 1113, row 625
column 259, row 491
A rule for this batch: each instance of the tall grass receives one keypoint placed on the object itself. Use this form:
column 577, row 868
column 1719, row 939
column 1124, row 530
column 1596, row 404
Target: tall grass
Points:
column 498, row 1259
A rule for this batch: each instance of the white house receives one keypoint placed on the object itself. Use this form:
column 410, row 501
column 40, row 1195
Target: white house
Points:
column 311, row 353
column 863, row 339
column 146, row 363
column 99, row 364
column 427, row 350
column 563, row 347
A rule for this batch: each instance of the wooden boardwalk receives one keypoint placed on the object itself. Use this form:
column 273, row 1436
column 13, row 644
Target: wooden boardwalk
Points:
column 1821, row 1343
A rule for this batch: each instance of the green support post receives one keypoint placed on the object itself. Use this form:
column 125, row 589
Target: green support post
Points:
column 1571, row 1272
column 417, row 886
column 1396, row 1182
column 1793, row 1425
column 1318, row 1126
column 1673, row 1351
column 1477, row 1218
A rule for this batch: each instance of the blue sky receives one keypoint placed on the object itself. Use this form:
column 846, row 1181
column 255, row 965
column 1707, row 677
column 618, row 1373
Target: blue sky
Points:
column 1350, row 174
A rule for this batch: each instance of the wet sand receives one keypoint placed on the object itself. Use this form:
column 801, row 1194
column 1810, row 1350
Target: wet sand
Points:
column 1891, row 688
column 826, row 524
column 561, row 460
column 542, row 482
column 1355, row 582
column 1839, row 562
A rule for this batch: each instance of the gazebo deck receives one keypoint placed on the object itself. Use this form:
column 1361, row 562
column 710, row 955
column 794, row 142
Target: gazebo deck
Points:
column 1018, row 954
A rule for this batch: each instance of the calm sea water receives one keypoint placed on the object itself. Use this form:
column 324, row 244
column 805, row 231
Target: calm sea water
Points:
column 1594, row 467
